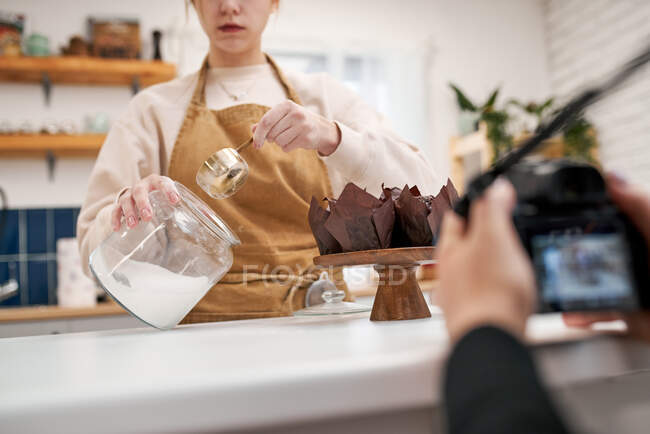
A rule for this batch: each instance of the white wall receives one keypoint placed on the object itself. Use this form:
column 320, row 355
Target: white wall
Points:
column 586, row 41
column 478, row 44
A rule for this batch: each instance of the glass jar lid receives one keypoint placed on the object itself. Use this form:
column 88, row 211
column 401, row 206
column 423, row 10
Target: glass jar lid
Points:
column 206, row 215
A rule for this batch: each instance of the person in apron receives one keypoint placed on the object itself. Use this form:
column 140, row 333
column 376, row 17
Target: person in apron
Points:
column 300, row 151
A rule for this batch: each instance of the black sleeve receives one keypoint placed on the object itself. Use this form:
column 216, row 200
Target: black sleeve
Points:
column 491, row 386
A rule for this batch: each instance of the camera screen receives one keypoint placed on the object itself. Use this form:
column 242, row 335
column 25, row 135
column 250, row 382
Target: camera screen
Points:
column 579, row 271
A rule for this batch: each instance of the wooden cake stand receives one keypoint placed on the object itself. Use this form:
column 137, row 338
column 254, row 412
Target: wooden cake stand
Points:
column 398, row 295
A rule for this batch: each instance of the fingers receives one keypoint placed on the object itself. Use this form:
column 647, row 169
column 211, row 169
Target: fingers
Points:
column 140, row 196
column 281, row 127
column 501, row 197
column 492, row 213
column 452, row 231
column 167, row 186
column 128, row 209
column 633, row 201
column 134, row 203
column 585, row 319
column 288, row 140
column 268, row 121
column 116, row 217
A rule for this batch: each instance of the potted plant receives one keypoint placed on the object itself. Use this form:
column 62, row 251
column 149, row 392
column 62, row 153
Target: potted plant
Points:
column 536, row 112
column 470, row 113
column 496, row 120
column 577, row 140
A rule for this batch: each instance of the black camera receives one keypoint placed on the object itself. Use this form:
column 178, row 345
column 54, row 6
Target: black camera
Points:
column 586, row 254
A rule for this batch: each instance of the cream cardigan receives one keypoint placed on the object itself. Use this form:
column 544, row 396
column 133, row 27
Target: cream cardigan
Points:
column 140, row 142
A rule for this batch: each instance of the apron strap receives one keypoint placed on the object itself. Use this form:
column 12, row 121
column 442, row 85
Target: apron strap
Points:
column 289, row 90
column 199, row 91
column 198, row 97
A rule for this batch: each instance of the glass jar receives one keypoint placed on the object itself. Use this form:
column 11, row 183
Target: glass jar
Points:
column 160, row 269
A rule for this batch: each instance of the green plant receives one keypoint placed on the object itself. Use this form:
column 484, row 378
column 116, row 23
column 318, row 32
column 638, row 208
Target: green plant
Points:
column 578, row 136
column 579, row 140
column 465, row 104
column 532, row 108
column 495, row 120
column 497, row 134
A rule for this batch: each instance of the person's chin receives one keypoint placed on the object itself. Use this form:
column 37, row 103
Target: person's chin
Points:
column 232, row 45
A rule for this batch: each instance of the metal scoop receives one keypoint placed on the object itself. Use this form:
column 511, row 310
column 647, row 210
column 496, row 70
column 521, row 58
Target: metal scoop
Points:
column 224, row 173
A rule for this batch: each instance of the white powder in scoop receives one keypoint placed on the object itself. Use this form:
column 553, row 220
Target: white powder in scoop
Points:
column 156, row 295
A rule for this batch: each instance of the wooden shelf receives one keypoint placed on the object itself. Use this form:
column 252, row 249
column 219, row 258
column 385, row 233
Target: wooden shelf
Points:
column 61, row 145
column 84, row 70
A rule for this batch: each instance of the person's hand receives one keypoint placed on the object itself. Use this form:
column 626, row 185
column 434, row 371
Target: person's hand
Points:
column 292, row 126
column 486, row 277
column 635, row 203
column 133, row 203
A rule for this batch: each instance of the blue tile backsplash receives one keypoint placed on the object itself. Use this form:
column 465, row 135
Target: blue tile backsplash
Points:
column 37, row 232
column 38, row 282
column 10, row 270
column 28, row 252
column 9, row 241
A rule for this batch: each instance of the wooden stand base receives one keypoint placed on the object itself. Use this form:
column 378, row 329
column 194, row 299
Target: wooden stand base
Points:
column 398, row 295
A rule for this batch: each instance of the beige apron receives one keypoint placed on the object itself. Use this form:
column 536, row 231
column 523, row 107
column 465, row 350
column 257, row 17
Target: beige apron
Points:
column 273, row 265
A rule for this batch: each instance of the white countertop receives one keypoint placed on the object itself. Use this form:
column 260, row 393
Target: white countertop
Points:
column 245, row 374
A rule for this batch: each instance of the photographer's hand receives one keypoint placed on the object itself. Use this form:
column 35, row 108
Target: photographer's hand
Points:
column 635, row 203
column 485, row 276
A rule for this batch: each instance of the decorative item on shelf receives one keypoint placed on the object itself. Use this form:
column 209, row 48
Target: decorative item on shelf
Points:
column 68, row 126
column 47, row 127
column 77, row 46
column 98, row 123
column 50, row 126
column 11, row 33
column 37, row 45
column 6, row 127
column 28, row 127
column 157, row 36
column 115, row 38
